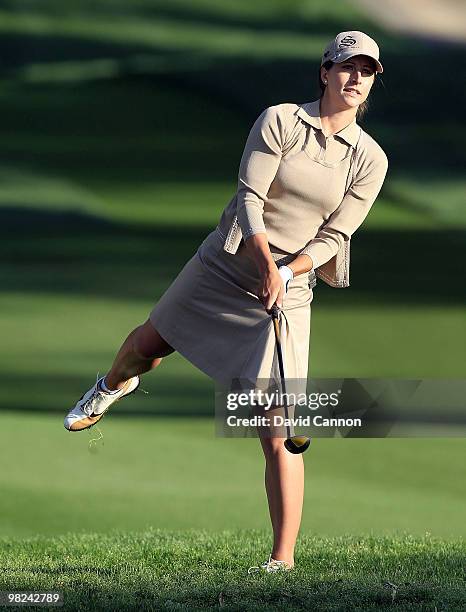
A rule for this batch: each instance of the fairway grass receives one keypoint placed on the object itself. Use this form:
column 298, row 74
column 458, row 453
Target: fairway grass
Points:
column 174, row 474
column 55, row 348
column 196, row 570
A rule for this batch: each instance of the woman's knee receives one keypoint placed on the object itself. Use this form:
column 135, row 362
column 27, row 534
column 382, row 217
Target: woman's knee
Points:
column 149, row 344
column 273, row 447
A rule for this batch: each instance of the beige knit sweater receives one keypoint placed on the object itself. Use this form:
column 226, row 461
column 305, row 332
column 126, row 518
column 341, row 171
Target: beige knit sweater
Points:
column 293, row 180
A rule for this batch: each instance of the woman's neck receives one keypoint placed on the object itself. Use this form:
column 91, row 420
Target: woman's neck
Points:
column 334, row 119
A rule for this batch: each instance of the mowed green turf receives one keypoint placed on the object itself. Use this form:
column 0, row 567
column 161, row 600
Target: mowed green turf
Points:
column 118, row 97
column 57, row 345
column 141, row 571
column 173, row 473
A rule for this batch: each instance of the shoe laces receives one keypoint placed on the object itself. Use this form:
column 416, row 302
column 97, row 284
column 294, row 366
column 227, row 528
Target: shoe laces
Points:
column 272, row 565
column 88, row 406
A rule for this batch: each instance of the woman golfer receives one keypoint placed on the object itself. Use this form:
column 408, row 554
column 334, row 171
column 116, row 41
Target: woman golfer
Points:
column 307, row 179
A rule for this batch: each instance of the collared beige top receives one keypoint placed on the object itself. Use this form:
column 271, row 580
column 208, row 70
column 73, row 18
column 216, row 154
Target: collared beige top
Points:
column 293, row 179
column 294, row 185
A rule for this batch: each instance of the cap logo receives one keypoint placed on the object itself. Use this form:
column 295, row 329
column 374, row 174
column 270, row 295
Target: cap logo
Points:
column 348, row 41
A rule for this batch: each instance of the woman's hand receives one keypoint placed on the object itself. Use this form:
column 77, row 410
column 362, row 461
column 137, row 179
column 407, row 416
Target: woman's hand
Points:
column 271, row 288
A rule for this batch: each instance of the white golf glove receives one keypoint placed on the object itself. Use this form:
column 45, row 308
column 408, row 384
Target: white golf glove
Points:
column 287, row 274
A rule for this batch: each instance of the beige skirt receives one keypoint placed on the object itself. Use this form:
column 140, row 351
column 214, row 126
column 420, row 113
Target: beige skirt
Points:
column 212, row 316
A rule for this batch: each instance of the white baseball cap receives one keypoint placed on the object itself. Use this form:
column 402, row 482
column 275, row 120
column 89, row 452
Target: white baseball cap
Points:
column 349, row 44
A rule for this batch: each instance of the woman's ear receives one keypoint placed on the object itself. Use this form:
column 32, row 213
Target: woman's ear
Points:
column 323, row 75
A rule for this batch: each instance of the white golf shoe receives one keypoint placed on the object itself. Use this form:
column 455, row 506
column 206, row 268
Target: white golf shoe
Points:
column 272, row 565
column 91, row 407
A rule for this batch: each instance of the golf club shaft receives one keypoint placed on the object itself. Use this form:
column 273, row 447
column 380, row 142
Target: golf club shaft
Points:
column 276, row 325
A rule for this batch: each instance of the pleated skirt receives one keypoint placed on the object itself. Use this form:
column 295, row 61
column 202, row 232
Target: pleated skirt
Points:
column 211, row 314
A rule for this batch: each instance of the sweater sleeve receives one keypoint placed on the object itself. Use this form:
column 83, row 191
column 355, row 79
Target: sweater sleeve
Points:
column 350, row 214
column 258, row 167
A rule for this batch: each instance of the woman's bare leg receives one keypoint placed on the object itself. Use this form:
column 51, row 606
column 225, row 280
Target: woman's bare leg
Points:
column 142, row 351
column 284, row 483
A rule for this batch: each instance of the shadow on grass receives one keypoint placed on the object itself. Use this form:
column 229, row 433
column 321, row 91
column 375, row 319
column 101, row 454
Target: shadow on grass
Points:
column 21, row 50
column 164, row 396
column 278, row 19
column 407, row 123
column 73, row 253
column 271, row 592
column 285, row 19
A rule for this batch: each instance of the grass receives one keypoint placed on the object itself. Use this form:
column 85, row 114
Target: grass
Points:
column 129, row 571
column 265, row 29
column 83, row 81
column 173, row 473
column 41, row 330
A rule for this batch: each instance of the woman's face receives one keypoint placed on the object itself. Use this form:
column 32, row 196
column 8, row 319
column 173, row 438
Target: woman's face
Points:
column 350, row 82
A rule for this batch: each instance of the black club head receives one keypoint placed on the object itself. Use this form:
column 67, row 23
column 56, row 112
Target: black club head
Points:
column 297, row 444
